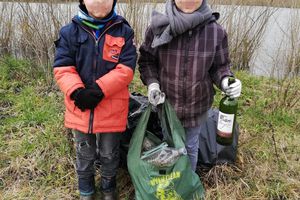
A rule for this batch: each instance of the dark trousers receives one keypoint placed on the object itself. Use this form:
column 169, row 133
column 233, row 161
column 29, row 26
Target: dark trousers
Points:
column 86, row 154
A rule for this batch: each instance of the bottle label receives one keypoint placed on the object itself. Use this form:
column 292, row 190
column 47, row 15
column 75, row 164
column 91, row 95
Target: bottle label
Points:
column 225, row 124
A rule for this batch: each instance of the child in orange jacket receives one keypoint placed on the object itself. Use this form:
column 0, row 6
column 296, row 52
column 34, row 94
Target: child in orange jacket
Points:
column 94, row 64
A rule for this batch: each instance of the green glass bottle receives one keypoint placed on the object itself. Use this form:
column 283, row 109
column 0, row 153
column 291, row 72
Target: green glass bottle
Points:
column 226, row 120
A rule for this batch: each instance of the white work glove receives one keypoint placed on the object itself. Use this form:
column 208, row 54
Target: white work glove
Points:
column 155, row 96
column 233, row 90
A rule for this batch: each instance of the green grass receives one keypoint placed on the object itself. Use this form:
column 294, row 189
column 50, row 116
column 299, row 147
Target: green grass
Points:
column 37, row 155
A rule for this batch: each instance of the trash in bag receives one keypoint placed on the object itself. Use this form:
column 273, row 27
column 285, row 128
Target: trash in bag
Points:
column 163, row 156
column 150, row 141
column 159, row 153
column 137, row 105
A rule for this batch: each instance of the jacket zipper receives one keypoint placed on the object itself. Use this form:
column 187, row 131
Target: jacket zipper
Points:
column 91, row 120
column 185, row 70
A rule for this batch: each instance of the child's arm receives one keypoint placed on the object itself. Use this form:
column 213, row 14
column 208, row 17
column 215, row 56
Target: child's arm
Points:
column 148, row 65
column 221, row 65
column 121, row 76
column 64, row 66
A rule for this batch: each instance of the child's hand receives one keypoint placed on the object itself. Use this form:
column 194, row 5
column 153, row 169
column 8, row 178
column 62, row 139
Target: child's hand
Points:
column 155, row 96
column 232, row 90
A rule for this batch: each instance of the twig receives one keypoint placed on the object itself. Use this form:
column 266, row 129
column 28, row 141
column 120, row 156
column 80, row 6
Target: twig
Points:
column 274, row 141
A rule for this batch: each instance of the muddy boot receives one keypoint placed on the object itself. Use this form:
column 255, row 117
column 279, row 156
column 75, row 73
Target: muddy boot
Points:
column 109, row 189
column 90, row 197
column 113, row 195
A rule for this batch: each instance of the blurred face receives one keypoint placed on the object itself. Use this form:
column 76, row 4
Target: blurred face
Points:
column 98, row 8
column 188, row 6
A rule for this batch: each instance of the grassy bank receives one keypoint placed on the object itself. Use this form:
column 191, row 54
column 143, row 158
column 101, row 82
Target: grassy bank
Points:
column 37, row 155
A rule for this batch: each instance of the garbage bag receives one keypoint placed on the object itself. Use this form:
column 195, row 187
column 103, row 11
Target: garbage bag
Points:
column 210, row 152
column 137, row 105
column 176, row 181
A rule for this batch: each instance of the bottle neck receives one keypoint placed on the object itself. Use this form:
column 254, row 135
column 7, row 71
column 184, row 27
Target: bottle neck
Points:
column 230, row 98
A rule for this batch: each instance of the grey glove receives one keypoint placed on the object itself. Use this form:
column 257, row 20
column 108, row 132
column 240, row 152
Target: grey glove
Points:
column 155, row 96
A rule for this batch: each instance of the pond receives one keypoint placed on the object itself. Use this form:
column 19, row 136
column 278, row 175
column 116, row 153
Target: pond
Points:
column 281, row 31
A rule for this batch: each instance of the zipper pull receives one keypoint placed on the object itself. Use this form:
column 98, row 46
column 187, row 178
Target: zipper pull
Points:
column 190, row 33
column 96, row 49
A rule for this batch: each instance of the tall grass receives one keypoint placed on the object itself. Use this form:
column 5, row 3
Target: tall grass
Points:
column 37, row 154
column 245, row 27
column 288, row 55
column 138, row 15
column 6, row 25
column 31, row 135
column 28, row 31
column 293, row 50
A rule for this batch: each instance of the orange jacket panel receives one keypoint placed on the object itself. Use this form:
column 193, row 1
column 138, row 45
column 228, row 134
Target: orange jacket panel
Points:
column 110, row 115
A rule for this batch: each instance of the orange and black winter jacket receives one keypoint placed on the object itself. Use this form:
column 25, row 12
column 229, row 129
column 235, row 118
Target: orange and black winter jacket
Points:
column 81, row 60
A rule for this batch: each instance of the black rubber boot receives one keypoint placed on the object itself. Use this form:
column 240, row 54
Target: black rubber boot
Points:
column 109, row 189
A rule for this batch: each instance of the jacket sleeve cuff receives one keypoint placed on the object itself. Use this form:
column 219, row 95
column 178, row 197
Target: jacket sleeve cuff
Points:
column 73, row 88
column 152, row 80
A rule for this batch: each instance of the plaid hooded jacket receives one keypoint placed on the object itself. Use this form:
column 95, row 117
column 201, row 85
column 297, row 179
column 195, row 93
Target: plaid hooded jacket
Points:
column 187, row 67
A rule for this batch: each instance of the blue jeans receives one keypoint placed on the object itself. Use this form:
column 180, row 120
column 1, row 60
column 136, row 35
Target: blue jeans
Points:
column 86, row 154
column 192, row 144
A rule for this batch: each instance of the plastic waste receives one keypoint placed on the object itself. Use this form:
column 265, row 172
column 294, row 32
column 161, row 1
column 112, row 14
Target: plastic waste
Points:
column 162, row 155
